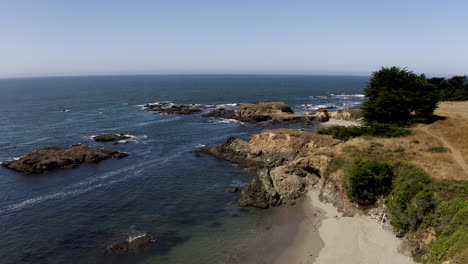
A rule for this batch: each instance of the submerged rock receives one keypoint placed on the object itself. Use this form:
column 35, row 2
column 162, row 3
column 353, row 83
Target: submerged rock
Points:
column 110, row 137
column 169, row 108
column 221, row 113
column 130, row 245
column 232, row 189
column 51, row 158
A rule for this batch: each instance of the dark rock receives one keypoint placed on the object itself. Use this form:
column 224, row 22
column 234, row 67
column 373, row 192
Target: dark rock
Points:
column 254, row 195
column 220, row 113
column 232, row 189
column 111, row 137
column 168, row 108
column 51, row 158
column 128, row 245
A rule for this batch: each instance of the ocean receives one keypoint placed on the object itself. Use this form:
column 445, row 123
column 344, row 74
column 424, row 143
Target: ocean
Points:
column 161, row 188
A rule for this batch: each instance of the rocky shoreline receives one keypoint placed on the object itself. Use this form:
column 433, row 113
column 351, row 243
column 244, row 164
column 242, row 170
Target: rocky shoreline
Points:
column 263, row 112
column 288, row 161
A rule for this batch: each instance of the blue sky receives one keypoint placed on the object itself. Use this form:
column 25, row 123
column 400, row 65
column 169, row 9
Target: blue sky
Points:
column 47, row 37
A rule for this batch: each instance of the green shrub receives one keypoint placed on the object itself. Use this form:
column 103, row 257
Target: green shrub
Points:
column 451, row 222
column 335, row 164
column 373, row 129
column 438, row 149
column 367, row 180
column 450, row 189
column 411, row 198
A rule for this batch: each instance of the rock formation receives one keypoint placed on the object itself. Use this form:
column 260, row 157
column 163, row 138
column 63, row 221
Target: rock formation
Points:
column 110, row 137
column 272, row 112
column 169, row 108
column 287, row 161
column 221, row 113
column 51, row 158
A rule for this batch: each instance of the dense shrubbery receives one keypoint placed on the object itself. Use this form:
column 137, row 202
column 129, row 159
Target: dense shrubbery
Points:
column 453, row 89
column 398, row 96
column 451, row 222
column 373, row 129
column 411, row 198
column 367, row 180
column 415, row 202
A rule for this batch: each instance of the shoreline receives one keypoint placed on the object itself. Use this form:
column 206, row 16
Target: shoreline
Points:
column 352, row 240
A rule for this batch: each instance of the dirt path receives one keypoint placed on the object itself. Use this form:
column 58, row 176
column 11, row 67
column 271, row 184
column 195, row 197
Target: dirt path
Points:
column 456, row 154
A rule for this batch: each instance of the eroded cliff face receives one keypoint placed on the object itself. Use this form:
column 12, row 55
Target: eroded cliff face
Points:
column 288, row 162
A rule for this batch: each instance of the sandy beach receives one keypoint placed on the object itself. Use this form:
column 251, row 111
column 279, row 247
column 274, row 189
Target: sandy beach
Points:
column 351, row 240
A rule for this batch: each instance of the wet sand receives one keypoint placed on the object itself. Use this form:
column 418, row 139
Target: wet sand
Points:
column 281, row 231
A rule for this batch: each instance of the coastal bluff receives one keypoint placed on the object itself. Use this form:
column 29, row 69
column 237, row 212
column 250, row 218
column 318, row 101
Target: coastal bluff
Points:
column 287, row 161
column 51, row 158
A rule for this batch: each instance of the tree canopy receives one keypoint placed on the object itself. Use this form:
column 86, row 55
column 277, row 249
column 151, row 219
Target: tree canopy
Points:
column 452, row 89
column 398, row 96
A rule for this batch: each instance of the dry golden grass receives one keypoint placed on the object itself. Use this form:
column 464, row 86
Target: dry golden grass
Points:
column 451, row 133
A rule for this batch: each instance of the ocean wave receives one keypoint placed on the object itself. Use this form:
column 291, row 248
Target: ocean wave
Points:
column 81, row 187
column 35, row 141
column 158, row 121
column 316, row 107
column 224, row 121
column 347, row 96
column 240, row 184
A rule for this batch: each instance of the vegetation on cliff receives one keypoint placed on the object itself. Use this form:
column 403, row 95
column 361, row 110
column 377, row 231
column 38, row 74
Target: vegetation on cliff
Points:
column 374, row 129
column 415, row 203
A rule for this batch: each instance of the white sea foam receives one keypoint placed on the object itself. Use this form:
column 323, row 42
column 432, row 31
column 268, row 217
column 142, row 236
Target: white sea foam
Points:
column 224, row 121
column 347, row 96
column 240, row 184
column 200, row 145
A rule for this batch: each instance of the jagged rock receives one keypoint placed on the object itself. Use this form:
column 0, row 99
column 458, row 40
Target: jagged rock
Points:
column 130, row 245
column 232, row 189
column 254, row 195
column 273, row 112
column 51, row 158
column 169, row 108
column 322, row 115
column 110, row 137
column 220, row 113
column 272, row 148
column 287, row 161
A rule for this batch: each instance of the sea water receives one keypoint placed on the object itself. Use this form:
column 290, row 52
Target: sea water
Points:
column 161, row 188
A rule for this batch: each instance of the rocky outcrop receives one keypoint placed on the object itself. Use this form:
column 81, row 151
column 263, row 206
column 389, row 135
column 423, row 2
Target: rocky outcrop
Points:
column 284, row 184
column 111, row 137
column 221, row 113
column 51, row 158
column 272, row 148
column 169, row 108
column 272, row 112
column 130, row 245
column 288, row 161
column 351, row 114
